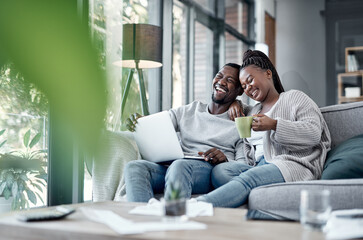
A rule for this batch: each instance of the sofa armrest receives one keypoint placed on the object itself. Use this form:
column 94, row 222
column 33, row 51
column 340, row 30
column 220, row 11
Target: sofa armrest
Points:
column 117, row 148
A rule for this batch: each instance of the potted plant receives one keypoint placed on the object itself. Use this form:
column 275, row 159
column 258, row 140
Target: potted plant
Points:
column 175, row 202
column 22, row 174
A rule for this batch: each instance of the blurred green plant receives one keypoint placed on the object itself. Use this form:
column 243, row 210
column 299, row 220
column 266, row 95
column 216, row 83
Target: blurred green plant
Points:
column 175, row 192
column 20, row 96
column 23, row 172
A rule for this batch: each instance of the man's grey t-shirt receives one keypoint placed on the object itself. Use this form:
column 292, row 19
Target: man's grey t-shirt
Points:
column 200, row 131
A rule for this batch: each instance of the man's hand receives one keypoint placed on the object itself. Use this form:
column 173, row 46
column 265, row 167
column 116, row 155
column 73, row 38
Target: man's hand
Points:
column 132, row 121
column 235, row 110
column 263, row 123
column 214, row 156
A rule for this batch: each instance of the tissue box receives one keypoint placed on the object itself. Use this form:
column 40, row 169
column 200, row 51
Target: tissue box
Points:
column 352, row 91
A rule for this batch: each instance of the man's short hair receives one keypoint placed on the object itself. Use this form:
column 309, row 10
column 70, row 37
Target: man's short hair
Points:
column 234, row 65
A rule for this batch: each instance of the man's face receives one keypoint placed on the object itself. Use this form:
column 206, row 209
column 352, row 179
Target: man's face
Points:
column 226, row 85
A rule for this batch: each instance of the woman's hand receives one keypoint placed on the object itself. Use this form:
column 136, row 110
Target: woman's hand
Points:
column 263, row 123
column 214, row 156
column 132, row 121
column 235, row 110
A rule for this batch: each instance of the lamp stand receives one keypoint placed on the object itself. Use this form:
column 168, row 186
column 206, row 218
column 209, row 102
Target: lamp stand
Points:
column 144, row 104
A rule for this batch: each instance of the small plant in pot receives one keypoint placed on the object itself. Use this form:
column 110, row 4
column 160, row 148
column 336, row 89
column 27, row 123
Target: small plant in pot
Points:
column 175, row 202
column 22, row 174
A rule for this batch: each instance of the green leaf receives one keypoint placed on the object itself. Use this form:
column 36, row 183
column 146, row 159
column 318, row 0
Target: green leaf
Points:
column 2, row 144
column 24, row 177
column 2, row 187
column 38, row 187
column 42, row 176
column 7, row 193
column 2, row 132
column 26, row 138
column 14, row 189
column 31, row 196
column 39, row 181
column 35, row 140
column 40, row 197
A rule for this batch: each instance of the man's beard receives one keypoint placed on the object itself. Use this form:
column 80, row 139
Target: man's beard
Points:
column 220, row 101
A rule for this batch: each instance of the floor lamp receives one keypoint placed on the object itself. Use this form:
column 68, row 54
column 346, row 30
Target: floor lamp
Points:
column 141, row 48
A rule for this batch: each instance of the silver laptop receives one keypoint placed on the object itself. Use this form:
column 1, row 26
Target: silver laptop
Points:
column 157, row 140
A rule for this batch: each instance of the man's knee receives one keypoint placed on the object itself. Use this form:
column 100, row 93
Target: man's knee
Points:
column 221, row 175
column 133, row 168
column 178, row 169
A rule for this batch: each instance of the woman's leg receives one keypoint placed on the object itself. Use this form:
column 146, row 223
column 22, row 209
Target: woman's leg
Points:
column 224, row 172
column 235, row 193
column 193, row 176
column 142, row 179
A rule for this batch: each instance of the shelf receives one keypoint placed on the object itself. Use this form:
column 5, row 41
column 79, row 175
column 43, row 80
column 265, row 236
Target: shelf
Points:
column 349, row 80
column 349, row 99
column 353, row 59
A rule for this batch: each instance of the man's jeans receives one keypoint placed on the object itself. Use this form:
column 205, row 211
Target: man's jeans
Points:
column 144, row 178
column 243, row 178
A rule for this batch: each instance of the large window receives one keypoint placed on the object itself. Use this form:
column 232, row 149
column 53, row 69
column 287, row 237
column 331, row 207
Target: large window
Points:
column 206, row 35
column 24, row 134
column 199, row 36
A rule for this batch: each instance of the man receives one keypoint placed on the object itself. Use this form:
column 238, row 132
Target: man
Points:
column 203, row 128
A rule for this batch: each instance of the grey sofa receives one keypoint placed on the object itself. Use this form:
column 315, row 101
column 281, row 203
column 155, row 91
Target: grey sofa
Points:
column 281, row 201
column 276, row 201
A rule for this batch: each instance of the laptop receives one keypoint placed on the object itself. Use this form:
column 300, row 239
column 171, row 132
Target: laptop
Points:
column 157, row 140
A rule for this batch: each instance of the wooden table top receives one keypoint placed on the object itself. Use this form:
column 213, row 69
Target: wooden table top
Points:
column 225, row 224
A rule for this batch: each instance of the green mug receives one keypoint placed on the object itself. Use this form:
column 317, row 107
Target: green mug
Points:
column 243, row 125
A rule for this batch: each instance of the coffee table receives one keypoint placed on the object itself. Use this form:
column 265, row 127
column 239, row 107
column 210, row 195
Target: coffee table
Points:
column 225, row 224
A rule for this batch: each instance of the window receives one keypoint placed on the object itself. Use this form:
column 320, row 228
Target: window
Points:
column 203, row 73
column 203, row 41
column 24, row 133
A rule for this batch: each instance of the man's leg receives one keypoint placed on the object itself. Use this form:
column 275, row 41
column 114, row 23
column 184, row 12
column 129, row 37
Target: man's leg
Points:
column 143, row 179
column 224, row 172
column 235, row 193
column 193, row 176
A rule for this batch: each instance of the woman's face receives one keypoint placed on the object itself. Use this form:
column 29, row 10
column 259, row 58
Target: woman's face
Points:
column 256, row 82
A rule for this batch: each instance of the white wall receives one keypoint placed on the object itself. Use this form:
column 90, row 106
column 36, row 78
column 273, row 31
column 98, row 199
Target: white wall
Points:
column 300, row 47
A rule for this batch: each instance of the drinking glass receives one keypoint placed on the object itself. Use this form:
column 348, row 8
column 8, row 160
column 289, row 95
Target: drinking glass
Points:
column 315, row 208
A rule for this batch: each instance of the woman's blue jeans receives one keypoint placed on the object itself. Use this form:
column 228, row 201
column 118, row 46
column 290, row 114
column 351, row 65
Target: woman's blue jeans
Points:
column 144, row 178
column 235, row 180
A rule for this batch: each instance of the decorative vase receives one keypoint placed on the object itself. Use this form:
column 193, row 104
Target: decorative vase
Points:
column 176, row 210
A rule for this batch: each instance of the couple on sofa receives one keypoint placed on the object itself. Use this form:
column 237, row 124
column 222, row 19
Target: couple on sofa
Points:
column 289, row 140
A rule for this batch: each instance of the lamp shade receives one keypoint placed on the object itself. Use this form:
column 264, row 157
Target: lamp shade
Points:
column 141, row 44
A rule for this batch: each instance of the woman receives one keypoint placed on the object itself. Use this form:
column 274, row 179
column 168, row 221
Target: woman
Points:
column 289, row 139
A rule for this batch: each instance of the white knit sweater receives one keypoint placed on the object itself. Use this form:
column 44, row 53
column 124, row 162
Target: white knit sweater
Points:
column 301, row 141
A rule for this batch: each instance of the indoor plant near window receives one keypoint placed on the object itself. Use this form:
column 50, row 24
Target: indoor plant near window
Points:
column 22, row 173
column 175, row 202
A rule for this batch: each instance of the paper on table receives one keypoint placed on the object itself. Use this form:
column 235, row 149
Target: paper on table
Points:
column 156, row 208
column 124, row 226
column 345, row 224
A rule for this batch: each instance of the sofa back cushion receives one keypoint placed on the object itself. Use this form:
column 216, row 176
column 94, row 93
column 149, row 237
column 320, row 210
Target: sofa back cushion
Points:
column 345, row 161
column 344, row 121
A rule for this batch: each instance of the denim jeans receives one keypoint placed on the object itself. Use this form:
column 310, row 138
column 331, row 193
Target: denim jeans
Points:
column 235, row 192
column 144, row 178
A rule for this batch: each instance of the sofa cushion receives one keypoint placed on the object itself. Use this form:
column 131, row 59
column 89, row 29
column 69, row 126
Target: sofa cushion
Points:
column 344, row 121
column 345, row 161
column 281, row 201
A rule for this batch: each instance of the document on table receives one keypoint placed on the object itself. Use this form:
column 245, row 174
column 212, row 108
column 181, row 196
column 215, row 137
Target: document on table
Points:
column 345, row 224
column 124, row 226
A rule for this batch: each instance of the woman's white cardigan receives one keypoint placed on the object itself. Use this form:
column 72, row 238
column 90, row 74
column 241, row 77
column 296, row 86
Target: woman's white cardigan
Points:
column 301, row 141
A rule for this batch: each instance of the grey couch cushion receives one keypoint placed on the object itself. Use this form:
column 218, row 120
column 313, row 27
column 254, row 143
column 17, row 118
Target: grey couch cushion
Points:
column 281, row 201
column 344, row 121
